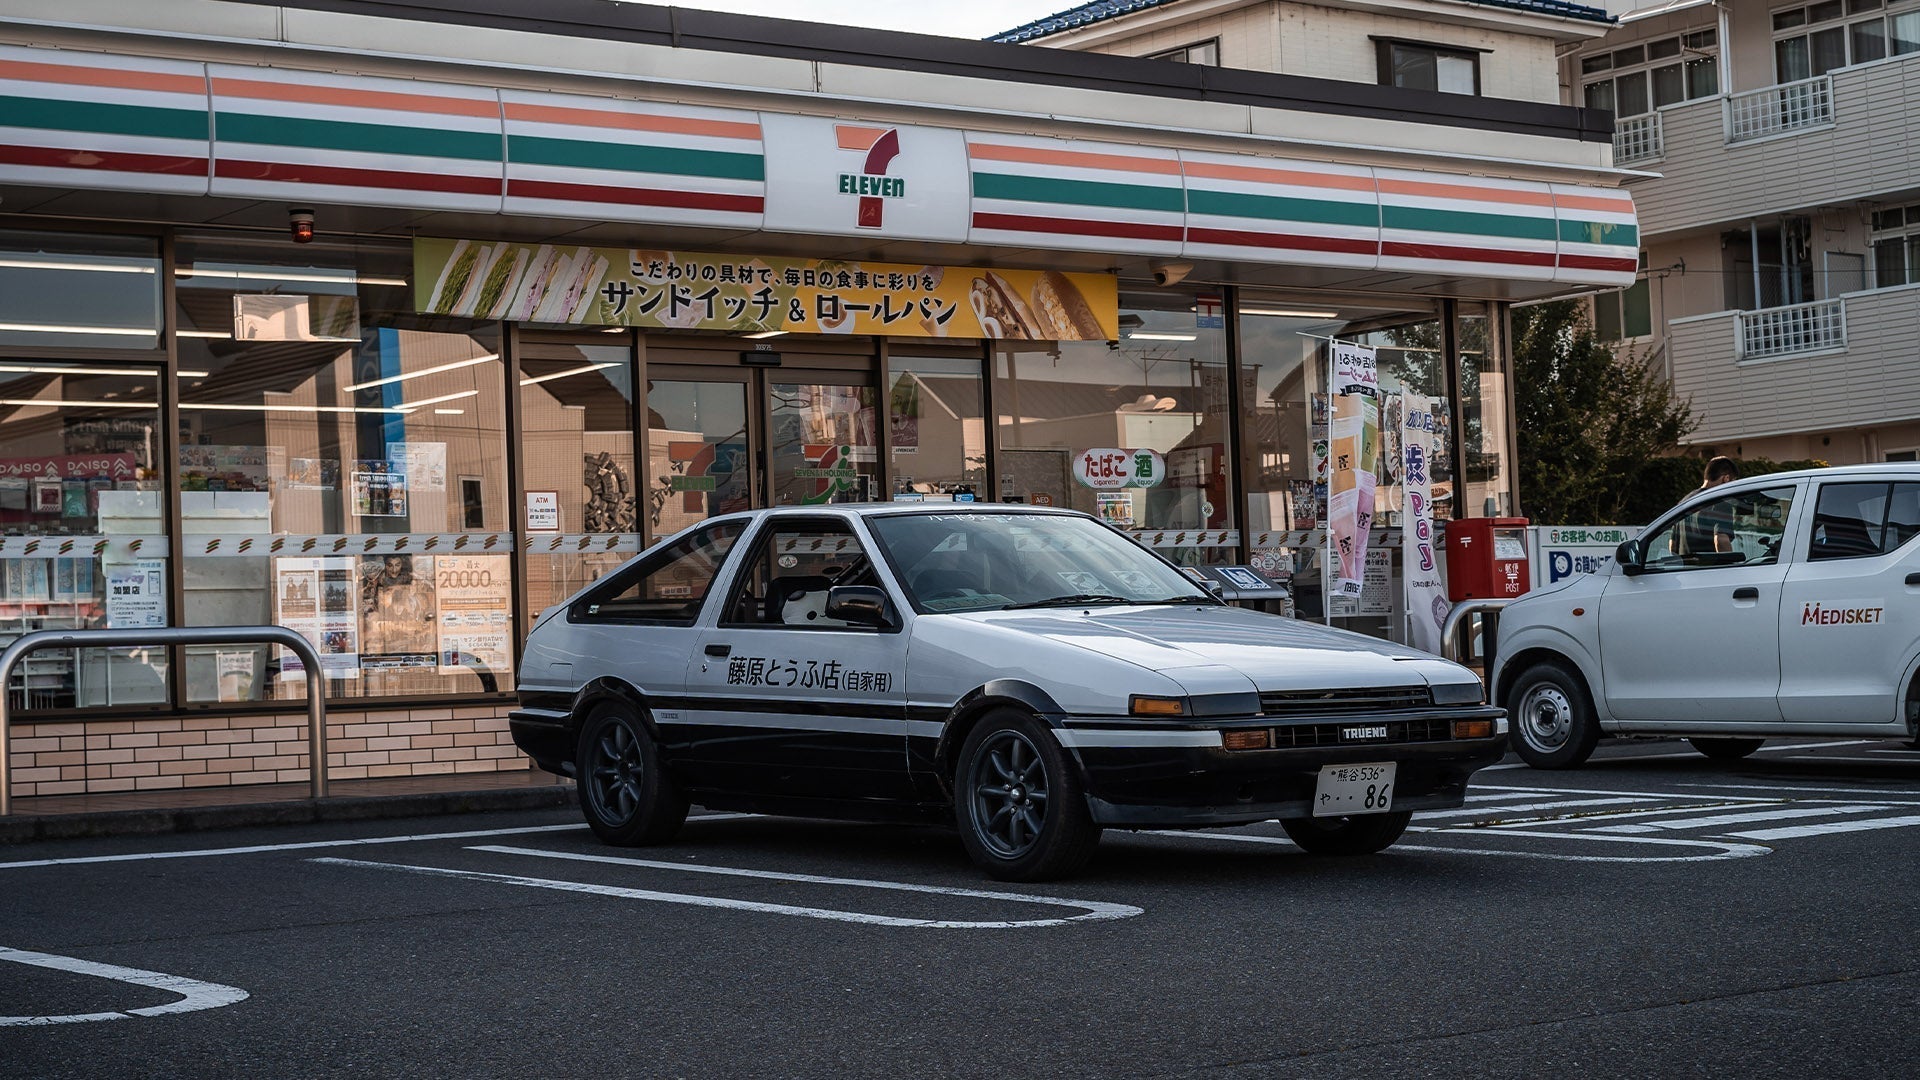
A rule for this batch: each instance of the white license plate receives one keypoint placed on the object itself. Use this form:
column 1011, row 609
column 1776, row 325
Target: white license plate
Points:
column 1344, row 790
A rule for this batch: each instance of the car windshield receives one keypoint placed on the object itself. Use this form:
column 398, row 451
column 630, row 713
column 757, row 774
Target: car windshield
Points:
column 986, row 561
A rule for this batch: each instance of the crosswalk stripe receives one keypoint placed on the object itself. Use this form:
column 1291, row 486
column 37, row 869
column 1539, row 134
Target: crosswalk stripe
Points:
column 1759, row 815
column 1825, row 827
column 1521, row 808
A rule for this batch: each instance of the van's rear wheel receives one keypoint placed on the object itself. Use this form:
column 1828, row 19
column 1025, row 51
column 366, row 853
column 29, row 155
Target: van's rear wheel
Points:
column 1726, row 749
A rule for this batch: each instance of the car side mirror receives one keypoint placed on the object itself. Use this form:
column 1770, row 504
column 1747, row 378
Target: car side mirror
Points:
column 1218, row 590
column 1628, row 556
column 861, row 605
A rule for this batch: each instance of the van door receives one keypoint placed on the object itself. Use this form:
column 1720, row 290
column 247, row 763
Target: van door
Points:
column 1848, row 618
column 1696, row 635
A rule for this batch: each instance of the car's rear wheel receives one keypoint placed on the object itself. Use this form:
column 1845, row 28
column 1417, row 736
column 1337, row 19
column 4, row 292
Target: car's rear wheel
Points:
column 625, row 792
column 1019, row 804
column 1722, row 749
column 1360, row 835
column 1552, row 716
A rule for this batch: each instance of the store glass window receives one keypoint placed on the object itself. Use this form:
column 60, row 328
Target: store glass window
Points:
column 1486, row 389
column 577, row 464
column 342, row 472
column 84, row 543
column 936, row 427
column 74, row 291
column 1072, row 416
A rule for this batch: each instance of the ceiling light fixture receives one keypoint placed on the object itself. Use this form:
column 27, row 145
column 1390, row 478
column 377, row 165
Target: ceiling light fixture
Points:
column 30, row 369
column 347, row 277
column 89, row 267
column 187, row 374
column 763, row 335
column 455, row 396
column 222, row 407
column 1141, row 335
column 55, row 403
column 423, row 371
column 582, row 370
column 105, row 331
column 210, row 334
column 1290, row 313
column 449, row 412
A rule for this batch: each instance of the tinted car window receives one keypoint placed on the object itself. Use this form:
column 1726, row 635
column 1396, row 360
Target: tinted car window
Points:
column 1903, row 515
column 1849, row 521
column 1741, row 529
column 977, row 562
column 793, row 565
column 667, row 587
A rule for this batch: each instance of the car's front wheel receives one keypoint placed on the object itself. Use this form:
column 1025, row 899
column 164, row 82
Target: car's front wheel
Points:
column 625, row 792
column 1552, row 716
column 1723, row 749
column 1020, row 807
column 1360, row 835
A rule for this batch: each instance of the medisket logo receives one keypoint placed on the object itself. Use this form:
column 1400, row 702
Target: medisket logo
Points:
column 1815, row 614
column 871, row 183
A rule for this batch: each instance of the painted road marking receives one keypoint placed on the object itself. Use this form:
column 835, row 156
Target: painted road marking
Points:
column 194, row 994
column 1712, row 850
column 1714, row 820
column 1094, row 910
column 1879, row 795
column 1829, row 827
column 1492, row 811
column 202, row 853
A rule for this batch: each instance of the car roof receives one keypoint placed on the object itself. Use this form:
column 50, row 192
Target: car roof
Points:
column 1879, row 470
column 883, row 509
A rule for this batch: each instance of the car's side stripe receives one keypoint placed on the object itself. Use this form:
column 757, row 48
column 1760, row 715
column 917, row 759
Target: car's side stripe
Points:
column 1120, row 738
column 863, row 725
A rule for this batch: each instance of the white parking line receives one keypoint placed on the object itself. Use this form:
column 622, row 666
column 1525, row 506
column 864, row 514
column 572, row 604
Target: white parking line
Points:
column 1718, row 850
column 1735, row 819
column 201, row 853
column 1897, row 797
column 194, row 994
column 1094, row 909
column 1816, row 745
column 1825, row 828
column 1538, row 792
column 1470, row 811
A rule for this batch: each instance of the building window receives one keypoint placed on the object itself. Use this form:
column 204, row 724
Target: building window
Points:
column 1812, row 39
column 1200, row 52
column 1896, row 246
column 1638, row 79
column 1416, row 66
column 1624, row 313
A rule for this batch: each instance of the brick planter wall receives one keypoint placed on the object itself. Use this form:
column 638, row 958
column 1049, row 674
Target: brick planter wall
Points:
column 213, row 751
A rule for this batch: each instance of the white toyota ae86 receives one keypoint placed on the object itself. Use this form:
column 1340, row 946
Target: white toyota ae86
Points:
column 1030, row 675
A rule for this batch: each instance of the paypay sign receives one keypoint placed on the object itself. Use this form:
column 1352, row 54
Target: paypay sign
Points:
column 1487, row 559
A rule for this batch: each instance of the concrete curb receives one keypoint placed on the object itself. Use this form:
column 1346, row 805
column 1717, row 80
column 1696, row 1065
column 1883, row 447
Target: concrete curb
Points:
column 25, row 829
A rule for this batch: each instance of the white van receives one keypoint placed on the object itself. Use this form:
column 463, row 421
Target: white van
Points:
column 1786, row 604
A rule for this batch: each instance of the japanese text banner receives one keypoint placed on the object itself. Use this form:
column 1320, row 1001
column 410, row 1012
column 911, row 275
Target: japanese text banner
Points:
column 545, row 283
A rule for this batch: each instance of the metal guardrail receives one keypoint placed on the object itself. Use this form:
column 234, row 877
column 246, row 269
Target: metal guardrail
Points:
column 190, row 635
column 1451, row 641
column 1641, row 138
column 1794, row 328
column 1775, row 110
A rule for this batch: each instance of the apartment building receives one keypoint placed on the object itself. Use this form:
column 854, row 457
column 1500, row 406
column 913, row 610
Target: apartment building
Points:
column 1779, row 216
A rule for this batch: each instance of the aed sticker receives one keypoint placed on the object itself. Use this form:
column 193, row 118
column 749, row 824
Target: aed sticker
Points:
column 788, row 562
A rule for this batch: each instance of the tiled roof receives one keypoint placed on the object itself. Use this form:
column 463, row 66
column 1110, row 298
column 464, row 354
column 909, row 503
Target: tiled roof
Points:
column 1102, row 10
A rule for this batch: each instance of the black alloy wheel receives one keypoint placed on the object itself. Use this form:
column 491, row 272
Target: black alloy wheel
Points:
column 1019, row 804
column 625, row 793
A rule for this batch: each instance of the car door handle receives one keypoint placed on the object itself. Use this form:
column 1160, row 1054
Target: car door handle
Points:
column 1913, row 579
column 1746, row 592
column 719, row 649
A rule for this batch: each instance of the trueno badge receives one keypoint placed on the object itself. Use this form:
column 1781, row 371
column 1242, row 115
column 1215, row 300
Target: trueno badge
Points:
column 871, row 183
column 1371, row 731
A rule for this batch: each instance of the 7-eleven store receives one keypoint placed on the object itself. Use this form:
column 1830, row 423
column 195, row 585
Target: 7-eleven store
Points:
column 572, row 286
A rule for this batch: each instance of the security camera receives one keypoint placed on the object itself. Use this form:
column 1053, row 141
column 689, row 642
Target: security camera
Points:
column 1170, row 273
column 300, row 224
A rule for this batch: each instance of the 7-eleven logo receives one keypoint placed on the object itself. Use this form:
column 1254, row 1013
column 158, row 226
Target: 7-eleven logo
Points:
column 871, row 183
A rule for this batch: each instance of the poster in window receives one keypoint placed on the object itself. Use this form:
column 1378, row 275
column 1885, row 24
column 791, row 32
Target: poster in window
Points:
column 379, row 489
column 315, row 598
column 137, row 594
column 1116, row 508
column 46, row 495
column 313, row 474
column 473, row 610
column 424, row 464
column 397, row 612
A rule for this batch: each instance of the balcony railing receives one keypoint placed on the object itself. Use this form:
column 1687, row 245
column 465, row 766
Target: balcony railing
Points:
column 1799, row 328
column 1637, row 139
column 1773, row 110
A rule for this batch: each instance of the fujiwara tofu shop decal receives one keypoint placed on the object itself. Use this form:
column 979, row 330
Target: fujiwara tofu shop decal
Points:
column 749, row 294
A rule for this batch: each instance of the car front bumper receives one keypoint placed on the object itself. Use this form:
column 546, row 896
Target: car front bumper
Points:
column 1161, row 775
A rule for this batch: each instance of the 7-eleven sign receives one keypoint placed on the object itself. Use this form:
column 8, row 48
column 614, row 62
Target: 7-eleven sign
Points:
column 872, row 185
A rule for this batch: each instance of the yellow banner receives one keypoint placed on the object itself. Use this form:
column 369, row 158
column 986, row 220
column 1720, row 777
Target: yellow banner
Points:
column 678, row 290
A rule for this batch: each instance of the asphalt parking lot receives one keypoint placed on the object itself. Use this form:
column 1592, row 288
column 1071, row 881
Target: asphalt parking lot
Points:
column 1650, row 913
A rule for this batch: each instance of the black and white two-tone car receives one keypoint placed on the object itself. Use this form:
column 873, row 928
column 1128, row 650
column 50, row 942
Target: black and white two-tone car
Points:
column 1030, row 675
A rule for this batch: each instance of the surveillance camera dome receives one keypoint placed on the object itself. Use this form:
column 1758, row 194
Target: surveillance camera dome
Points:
column 1170, row 273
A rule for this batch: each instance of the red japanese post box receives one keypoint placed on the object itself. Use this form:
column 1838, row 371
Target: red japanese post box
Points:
column 1487, row 559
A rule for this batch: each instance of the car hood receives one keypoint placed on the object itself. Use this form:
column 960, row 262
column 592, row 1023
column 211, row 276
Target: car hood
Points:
column 1272, row 652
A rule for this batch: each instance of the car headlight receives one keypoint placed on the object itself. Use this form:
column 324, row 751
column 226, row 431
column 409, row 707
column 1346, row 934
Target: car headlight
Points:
column 1156, row 707
column 1466, row 693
